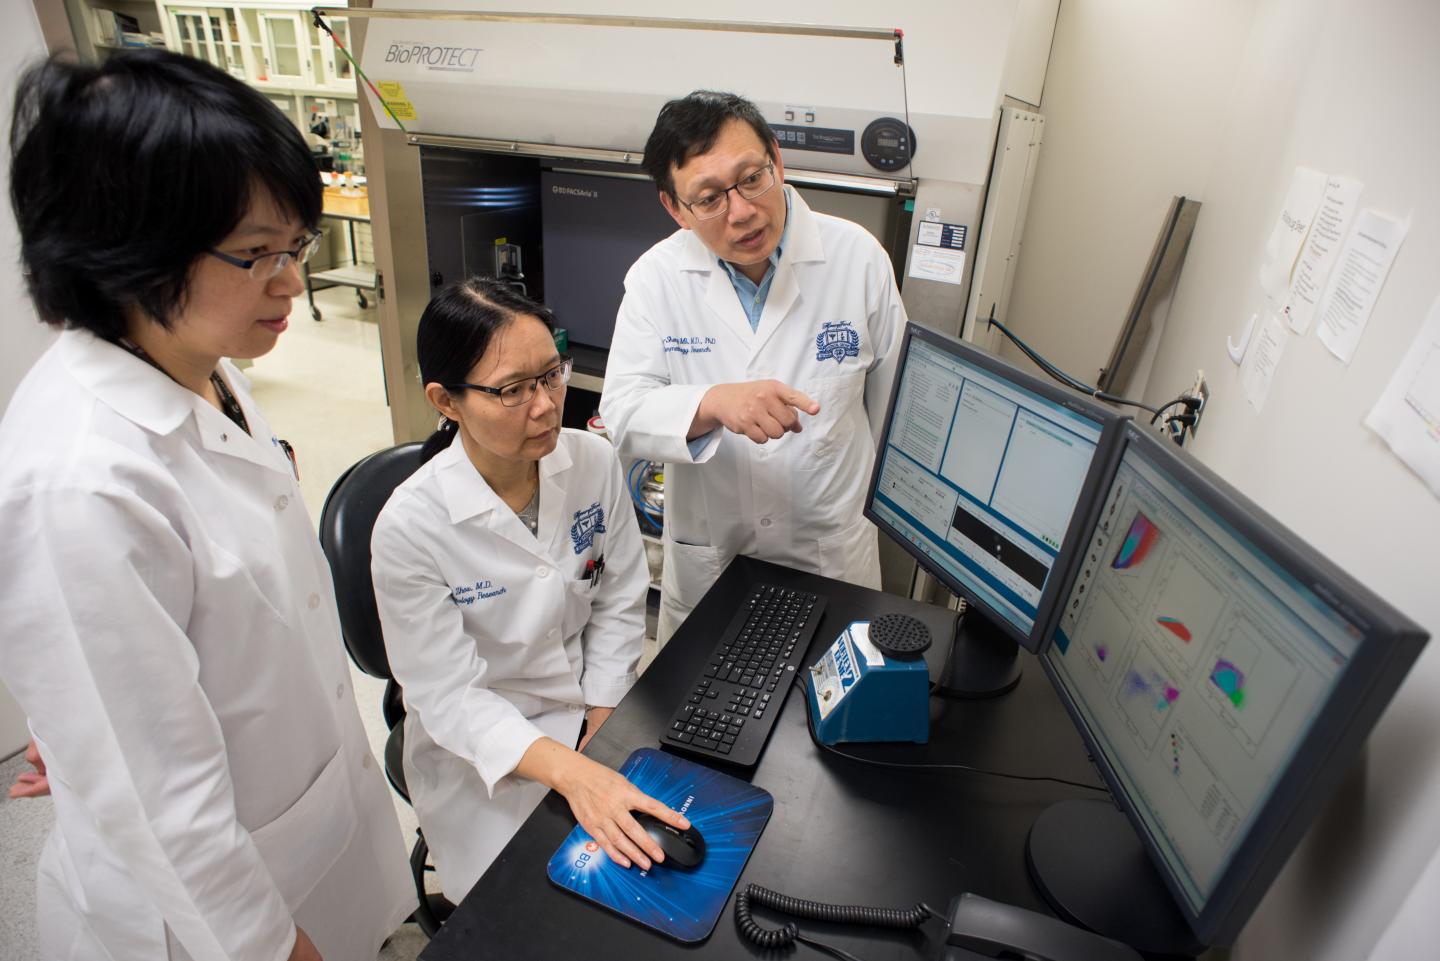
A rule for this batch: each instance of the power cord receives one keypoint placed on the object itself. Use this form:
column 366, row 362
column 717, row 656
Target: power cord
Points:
column 772, row 938
column 933, row 765
column 905, row 918
column 1192, row 404
column 1074, row 384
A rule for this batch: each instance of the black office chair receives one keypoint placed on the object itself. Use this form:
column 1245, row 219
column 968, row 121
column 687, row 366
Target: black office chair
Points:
column 346, row 522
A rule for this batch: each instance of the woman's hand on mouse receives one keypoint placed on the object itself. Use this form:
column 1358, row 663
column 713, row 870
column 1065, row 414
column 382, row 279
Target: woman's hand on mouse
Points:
column 601, row 801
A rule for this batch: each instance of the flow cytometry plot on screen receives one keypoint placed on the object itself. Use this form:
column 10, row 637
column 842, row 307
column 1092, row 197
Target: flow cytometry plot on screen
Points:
column 1146, row 695
column 1104, row 634
column 1138, row 543
column 1175, row 626
column 1187, row 606
column 1248, row 681
column 1137, row 553
column 1231, row 680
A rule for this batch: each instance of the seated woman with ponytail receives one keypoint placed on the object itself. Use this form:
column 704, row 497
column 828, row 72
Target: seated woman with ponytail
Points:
column 511, row 582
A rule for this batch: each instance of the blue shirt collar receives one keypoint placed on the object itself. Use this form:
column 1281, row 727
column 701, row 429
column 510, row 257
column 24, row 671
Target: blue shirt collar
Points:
column 736, row 276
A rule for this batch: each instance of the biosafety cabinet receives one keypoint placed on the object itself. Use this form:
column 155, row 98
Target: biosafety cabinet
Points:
column 504, row 139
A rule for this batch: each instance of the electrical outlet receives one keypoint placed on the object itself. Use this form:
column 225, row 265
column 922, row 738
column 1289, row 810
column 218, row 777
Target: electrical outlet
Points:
column 1200, row 390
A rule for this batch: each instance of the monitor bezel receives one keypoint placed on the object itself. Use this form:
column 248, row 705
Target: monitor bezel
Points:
column 1388, row 646
column 1047, row 610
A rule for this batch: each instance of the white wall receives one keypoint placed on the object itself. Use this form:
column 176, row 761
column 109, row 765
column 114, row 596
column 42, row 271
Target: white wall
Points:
column 1347, row 87
column 1134, row 106
column 1220, row 101
column 24, row 336
column 1416, row 929
column 1031, row 40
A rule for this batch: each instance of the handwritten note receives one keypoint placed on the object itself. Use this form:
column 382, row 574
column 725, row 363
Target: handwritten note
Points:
column 937, row 263
column 1306, row 189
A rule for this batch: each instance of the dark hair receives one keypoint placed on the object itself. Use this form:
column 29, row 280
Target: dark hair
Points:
column 455, row 331
column 124, row 172
column 689, row 126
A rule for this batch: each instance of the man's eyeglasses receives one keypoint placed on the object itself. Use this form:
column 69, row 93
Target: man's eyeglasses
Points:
column 521, row 392
column 751, row 187
column 268, row 265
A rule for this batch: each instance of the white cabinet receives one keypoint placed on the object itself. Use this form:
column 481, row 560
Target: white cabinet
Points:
column 286, row 51
column 209, row 33
column 337, row 72
column 271, row 44
column 100, row 26
column 274, row 46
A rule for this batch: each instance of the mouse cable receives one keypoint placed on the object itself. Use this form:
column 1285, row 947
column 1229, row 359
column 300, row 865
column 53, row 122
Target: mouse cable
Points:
column 1071, row 382
column 934, row 765
column 772, row 938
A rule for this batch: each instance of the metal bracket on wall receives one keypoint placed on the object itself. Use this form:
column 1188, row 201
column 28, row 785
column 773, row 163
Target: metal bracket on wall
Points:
column 1157, row 283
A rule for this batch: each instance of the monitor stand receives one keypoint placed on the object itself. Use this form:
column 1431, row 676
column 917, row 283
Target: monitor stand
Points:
column 1089, row 864
column 984, row 661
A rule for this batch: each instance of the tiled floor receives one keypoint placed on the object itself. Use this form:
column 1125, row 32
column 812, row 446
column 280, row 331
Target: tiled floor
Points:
column 23, row 827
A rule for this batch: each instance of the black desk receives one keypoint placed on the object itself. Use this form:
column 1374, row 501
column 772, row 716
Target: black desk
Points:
column 842, row 831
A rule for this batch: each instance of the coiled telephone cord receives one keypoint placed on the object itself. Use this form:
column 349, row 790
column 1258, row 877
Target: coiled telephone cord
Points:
column 813, row 910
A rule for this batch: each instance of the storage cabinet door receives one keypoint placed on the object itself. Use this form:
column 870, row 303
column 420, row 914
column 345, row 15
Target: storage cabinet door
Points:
column 287, row 52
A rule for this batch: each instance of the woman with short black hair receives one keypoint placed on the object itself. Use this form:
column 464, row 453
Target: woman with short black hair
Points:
column 171, row 629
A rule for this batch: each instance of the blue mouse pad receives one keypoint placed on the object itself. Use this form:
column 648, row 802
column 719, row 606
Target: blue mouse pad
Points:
column 683, row 904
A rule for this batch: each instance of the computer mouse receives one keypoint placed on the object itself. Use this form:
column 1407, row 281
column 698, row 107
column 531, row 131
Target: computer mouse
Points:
column 683, row 849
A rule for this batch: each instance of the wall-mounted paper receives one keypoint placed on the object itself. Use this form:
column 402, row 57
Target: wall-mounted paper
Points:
column 937, row 263
column 1306, row 189
column 1259, row 368
column 1355, row 282
column 1322, row 247
column 1407, row 415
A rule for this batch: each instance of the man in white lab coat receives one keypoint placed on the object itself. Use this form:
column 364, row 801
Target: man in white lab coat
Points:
column 753, row 355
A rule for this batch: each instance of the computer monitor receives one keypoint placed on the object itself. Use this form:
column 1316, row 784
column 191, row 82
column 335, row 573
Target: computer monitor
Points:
column 1223, row 676
column 978, row 476
column 595, row 226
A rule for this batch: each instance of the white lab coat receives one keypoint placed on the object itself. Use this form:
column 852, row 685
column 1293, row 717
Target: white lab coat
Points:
column 496, row 636
column 798, row 500
column 171, row 632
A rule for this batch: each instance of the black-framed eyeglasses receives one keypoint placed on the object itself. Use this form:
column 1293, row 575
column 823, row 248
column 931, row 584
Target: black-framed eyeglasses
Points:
column 268, row 265
column 521, row 392
column 751, row 187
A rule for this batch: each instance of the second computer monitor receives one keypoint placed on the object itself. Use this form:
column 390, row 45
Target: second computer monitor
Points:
column 979, row 472
column 1222, row 675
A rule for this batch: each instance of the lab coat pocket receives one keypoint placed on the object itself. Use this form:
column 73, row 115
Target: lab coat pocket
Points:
column 829, row 432
column 690, row 570
column 579, row 595
column 852, row 555
column 303, row 844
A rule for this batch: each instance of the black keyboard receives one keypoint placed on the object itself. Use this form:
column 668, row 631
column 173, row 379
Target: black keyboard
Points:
column 729, row 711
